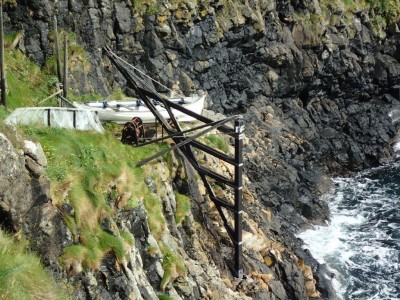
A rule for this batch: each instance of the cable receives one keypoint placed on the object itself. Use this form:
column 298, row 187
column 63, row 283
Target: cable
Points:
column 144, row 74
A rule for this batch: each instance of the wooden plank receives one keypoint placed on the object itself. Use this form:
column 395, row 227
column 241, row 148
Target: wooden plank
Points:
column 51, row 96
column 57, row 51
column 65, row 77
column 2, row 63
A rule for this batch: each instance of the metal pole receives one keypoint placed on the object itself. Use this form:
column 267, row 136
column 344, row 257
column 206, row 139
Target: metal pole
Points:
column 57, row 50
column 48, row 117
column 74, row 119
column 65, row 83
column 3, row 73
column 239, row 131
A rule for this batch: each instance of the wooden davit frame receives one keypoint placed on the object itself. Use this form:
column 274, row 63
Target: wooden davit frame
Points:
column 185, row 143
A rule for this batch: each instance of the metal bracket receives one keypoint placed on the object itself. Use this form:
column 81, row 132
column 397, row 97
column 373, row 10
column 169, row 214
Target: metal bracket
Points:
column 185, row 143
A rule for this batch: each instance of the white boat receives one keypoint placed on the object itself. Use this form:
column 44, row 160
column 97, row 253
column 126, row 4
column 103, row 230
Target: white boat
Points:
column 123, row 111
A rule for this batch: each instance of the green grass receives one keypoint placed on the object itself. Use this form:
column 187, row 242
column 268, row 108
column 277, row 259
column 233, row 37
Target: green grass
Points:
column 217, row 142
column 182, row 207
column 4, row 112
column 26, row 83
column 173, row 267
column 128, row 237
column 96, row 175
column 165, row 297
column 21, row 274
column 157, row 221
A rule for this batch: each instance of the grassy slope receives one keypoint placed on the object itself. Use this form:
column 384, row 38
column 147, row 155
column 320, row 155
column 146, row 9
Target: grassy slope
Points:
column 21, row 274
column 95, row 174
column 92, row 173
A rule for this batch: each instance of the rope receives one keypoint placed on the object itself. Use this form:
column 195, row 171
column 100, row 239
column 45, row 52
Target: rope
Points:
column 144, row 74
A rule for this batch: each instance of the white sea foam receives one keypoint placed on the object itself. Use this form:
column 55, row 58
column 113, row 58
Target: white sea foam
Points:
column 360, row 245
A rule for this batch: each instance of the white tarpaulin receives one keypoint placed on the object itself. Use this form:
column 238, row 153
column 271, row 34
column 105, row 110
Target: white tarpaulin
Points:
column 71, row 118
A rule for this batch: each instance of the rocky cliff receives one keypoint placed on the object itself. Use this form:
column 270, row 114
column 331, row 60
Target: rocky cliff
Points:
column 314, row 80
column 174, row 252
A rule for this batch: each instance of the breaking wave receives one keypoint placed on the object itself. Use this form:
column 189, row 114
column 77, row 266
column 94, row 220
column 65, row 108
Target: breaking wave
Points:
column 361, row 244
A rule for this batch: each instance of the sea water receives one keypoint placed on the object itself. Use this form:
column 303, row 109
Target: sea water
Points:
column 361, row 244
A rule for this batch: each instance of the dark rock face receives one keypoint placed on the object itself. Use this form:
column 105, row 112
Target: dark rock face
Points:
column 20, row 190
column 25, row 201
column 316, row 102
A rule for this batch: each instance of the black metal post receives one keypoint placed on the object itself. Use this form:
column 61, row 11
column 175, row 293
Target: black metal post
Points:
column 237, row 241
column 74, row 119
column 48, row 117
column 184, row 144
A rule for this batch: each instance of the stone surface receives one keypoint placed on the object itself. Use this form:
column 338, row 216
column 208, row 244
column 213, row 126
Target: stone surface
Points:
column 316, row 100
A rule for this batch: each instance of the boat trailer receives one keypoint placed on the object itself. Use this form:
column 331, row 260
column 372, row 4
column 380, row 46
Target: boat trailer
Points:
column 185, row 144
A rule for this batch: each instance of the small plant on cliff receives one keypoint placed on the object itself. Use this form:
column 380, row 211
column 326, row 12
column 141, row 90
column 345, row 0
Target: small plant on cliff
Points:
column 157, row 221
column 172, row 265
column 148, row 7
column 165, row 297
column 22, row 275
column 172, row 262
column 182, row 207
column 152, row 9
column 217, row 142
column 95, row 174
column 383, row 14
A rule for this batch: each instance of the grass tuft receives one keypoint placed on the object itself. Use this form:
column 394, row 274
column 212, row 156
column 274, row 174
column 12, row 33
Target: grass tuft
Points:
column 173, row 267
column 157, row 221
column 96, row 175
column 182, row 207
column 21, row 274
column 217, row 142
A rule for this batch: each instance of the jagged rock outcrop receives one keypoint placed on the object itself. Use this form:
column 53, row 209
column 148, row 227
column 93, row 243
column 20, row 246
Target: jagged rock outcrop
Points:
column 317, row 75
column 21, row 188
column 315, row 92
column 272, row 270
column 25, row 204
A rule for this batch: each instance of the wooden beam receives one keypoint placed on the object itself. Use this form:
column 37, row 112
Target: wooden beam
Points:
column 51, row 96
column 2, row 63
column 65, row 81
column 16, row 41
column 57, row 50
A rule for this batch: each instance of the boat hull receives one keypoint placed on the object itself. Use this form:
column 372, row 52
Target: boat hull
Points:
column 121, row 112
